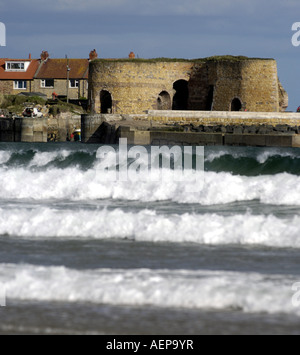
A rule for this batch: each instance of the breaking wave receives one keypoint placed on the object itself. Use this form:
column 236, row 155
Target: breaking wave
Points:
column 149, row 226
column 271, row 176
column 218, row 188
column 236, row 160
column 214, row 290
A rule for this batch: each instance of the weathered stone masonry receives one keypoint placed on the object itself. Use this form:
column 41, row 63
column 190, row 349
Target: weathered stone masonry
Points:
column 225, row 84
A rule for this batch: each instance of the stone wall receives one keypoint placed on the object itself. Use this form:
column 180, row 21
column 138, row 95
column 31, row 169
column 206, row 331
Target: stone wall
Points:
column 209, row 118
column 133, row 87
column 194, row 127
column 62, row 126
column 261, row 131
column 33, row 130
column 253, row 82
column 23, row 129
column 7, row 87
column 60, row 88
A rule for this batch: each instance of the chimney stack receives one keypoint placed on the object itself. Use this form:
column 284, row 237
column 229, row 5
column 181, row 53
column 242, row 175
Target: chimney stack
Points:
column 44, row 56
column 93, row 55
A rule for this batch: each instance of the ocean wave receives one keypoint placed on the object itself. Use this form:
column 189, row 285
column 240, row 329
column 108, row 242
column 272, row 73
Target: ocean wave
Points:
column 247, row 161
column 148, row 226
column 261, row 155
column 210, row 188
column 33, row 158
column 264, row 163
column 213, row 290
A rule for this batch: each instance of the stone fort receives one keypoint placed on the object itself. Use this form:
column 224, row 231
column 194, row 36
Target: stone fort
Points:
column 226, row 83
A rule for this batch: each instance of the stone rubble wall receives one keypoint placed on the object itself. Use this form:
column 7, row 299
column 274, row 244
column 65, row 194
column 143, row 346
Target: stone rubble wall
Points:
column 136, row 86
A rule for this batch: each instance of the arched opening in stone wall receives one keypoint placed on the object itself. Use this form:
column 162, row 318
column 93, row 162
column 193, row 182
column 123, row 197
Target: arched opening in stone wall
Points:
column 181, row 97
column 105, row 101
column 210, row 98
column 236, row 105
column 164, row 101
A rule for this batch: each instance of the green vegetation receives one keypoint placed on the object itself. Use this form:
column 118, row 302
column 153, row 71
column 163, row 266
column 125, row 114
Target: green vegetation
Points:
column 221, row 58
column 229, row 58
column 62, row 107
column 140, row 60
column 16, row 103
column 16, row 100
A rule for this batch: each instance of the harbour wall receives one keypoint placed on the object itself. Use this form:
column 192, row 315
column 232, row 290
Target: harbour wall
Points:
column 39, row 130
column 23, row 129
column 194, row 128
column 162, row 128
column 61, row 127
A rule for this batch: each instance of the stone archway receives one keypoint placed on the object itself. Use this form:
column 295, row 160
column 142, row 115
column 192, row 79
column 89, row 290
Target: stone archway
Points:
column 164, row 101
column 236, row 105
column 210, row 98
column 181, row 97
column 105, row 102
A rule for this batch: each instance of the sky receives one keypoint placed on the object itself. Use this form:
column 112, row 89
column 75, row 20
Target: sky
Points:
column 157, row 28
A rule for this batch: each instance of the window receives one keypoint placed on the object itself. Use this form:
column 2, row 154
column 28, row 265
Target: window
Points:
column 47, row 83
column 15, row 66
column 20, row 84
column 73, row 84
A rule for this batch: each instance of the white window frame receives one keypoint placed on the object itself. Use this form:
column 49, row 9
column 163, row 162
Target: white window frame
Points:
column 43, row 84
column 23, row 86
column 23, row 66
column 76, row 83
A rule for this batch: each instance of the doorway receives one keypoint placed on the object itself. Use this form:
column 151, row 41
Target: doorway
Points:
column 181, row 97
column 105, row 101
column 164, row 101
column 236, row 105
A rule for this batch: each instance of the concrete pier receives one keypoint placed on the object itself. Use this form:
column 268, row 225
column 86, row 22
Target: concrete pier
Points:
column 23, row 129
column 264, row 129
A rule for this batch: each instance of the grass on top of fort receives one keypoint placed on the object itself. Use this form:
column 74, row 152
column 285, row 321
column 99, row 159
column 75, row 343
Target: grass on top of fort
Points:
column 221, row 58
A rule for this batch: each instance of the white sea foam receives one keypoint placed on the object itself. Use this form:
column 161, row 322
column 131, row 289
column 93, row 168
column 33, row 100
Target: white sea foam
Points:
column 219, row 188
column 4, row 156
column 149, row 226
column 74, row 184
column 43, row 158
column 267, row 154
column 211, row 156
column 260, row 157
column 219, row 290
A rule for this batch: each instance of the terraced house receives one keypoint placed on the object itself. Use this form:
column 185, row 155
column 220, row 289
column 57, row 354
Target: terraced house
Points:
column 65, row 77
column 62, row 77
column 17, row 75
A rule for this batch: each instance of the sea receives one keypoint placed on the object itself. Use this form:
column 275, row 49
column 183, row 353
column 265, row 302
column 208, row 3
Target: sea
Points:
column 83, row 254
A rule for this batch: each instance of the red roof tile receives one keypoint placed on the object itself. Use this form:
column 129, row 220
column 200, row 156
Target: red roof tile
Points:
column 57, row 69
column 18, row 75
